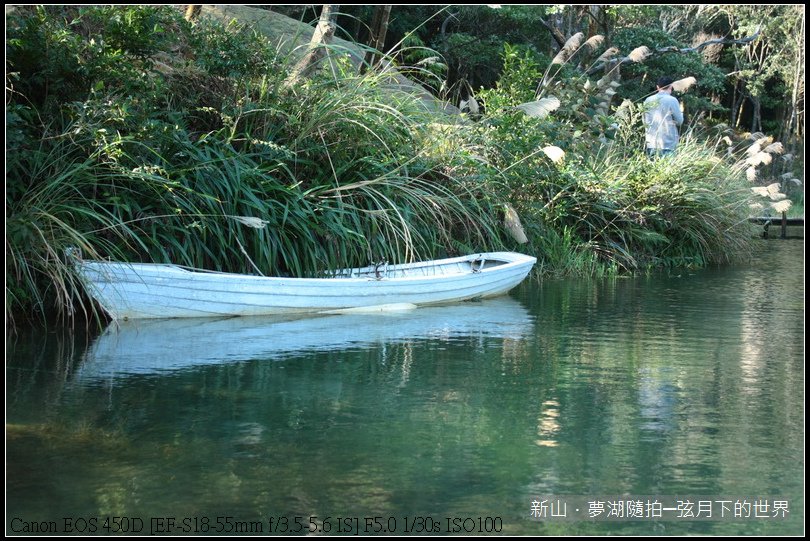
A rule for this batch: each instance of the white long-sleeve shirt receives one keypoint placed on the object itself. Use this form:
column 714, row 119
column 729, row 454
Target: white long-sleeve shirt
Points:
column 662, row 117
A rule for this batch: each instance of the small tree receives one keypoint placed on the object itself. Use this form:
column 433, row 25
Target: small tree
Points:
column 322, row 36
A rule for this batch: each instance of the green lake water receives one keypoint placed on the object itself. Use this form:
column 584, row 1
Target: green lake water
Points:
column 681, row 391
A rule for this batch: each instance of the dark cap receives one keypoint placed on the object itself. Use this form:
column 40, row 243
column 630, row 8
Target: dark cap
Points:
column 664, row 82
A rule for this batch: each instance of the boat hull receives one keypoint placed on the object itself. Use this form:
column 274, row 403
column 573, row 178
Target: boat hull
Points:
column 140, row 290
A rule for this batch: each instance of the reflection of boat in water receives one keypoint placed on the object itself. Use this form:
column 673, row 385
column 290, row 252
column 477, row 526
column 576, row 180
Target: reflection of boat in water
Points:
column 161, row 346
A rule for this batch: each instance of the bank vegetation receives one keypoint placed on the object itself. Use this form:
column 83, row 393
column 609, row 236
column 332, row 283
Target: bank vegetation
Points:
column 137, row 135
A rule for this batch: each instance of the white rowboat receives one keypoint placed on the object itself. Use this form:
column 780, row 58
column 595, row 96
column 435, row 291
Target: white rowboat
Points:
column 145, row 290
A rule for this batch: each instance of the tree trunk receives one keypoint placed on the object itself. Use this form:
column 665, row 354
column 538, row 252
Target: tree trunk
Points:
column 317, row 46
column 567, row 30
column 356, row 23
column 598, row 21
column 193, row 11
column 796, row 120
column 379, row 28
column 733, row 121
column 740, row 111
column 756, row 117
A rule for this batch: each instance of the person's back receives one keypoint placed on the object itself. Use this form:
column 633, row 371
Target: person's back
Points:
column 662, row 117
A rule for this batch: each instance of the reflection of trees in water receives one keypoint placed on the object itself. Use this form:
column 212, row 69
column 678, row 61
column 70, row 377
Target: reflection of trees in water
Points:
column 39, row 361
column 762, row 405
column 681, row 375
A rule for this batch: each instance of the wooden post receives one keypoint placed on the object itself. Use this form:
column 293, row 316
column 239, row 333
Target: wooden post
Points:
column 767, row 221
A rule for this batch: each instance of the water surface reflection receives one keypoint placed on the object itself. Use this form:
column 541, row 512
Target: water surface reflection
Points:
column 162, row 346
column 689, row 384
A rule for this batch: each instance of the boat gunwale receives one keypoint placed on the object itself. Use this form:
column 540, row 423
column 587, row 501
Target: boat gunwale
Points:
column 510, row 260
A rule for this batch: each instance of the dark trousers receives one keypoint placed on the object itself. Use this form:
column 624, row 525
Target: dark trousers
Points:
column 653, row 153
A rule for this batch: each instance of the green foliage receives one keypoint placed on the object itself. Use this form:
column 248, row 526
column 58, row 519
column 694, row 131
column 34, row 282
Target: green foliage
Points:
column 134, row 135
column 521, row 69
column 52, row 205
column 606, row 207
column 469, row 39
column 140, row 31
column 59, row 54
column 766, row 72
column 177, row 164
column 234, row 50
column 422, row 64
column 474, row 59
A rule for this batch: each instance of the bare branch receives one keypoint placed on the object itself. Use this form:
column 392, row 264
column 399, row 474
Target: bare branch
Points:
column 555, row 33
column 700, row 47
column 664, row 50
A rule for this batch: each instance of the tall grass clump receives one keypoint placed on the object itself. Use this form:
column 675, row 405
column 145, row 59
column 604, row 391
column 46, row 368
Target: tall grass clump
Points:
column 688, row 209
column 190, row 149
column 58, row 207
column 595, row 203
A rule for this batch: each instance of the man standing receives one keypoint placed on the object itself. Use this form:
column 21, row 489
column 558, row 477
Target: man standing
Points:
column 662, row 116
